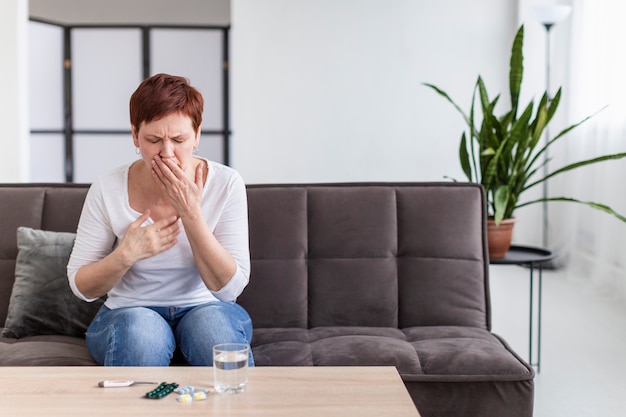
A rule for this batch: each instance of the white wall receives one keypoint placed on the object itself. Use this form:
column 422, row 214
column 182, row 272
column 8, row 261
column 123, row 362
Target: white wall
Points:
column 14, row 97
column 332, row 90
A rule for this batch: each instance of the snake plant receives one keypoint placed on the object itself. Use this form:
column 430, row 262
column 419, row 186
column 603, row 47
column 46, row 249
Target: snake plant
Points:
column 505, row 154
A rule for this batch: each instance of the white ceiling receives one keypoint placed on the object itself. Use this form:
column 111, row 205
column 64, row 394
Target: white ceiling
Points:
column 190, row 12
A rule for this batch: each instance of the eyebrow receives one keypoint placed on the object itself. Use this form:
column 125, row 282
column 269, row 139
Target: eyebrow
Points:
column 178, row 136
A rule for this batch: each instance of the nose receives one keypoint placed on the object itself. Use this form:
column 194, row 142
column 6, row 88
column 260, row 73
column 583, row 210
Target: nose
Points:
column 167, row 149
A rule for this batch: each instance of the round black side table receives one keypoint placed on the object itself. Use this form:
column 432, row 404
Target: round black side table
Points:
column 533, row 258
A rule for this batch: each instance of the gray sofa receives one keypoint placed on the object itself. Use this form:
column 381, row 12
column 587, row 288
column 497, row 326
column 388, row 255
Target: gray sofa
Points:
column 342, row 274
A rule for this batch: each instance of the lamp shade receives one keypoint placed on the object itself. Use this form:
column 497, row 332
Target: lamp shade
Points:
column 551, row 14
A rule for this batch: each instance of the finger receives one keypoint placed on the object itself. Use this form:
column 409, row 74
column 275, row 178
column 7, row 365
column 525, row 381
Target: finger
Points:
column 141, row 219
column 170, row 244
column 166, row 223
column 170, row 168
column 158, row 170
column 166, row 237
column 199, row 175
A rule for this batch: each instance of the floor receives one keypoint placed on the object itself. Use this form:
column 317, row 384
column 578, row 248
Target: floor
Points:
column 583, row 341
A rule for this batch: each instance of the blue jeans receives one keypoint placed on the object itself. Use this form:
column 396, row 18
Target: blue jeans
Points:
column 149, row 336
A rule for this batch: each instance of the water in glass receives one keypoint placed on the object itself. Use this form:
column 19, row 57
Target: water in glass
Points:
column 230, row 368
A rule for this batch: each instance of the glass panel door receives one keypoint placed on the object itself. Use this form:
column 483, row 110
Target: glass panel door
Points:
column 79, row 106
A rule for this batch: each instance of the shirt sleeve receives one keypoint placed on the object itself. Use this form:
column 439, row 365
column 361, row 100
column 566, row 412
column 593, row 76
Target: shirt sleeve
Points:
column 94, row 237
column 232, row 233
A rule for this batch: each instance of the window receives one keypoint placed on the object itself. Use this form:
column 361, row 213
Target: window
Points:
column 81, row 78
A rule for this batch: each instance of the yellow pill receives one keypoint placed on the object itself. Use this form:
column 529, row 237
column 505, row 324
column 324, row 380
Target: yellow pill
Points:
column 185, row 398
column 199, row 395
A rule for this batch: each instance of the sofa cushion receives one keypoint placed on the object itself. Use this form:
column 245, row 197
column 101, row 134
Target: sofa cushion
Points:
column 49, row 350
column 335, row 346
column 366, row 350
column 41, row 301
column 456, row 353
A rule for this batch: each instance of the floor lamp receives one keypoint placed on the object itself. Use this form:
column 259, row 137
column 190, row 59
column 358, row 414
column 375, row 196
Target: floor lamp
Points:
column 548, row 16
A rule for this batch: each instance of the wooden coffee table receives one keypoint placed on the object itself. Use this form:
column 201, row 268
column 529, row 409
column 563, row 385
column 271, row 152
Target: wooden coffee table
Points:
column 272, row 391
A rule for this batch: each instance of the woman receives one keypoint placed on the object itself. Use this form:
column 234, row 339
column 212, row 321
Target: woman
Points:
column 166, row 239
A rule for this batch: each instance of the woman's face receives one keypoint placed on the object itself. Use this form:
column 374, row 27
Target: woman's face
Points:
column 170, row 137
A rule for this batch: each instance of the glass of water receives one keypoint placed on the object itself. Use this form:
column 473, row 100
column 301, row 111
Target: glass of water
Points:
column 230, row 367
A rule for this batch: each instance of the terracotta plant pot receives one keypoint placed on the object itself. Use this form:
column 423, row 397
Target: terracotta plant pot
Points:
column 499, row 237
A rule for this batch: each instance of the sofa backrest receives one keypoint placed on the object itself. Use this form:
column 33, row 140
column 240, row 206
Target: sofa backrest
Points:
column 381, row 254
column 53, row 207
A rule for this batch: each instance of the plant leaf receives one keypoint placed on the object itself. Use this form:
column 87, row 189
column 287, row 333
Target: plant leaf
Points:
column 578, row 165
column 598, row 206
column 516, row 71
column 464, row 158
column 447, row 97
column 501, row 197
column 503, row 153
column 473, row 136
column 572, row 127
column 554, row 104
column 550, row 142
column 540, row 122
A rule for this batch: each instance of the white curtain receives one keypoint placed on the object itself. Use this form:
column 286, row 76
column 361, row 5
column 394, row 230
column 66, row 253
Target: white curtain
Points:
column 594, row 241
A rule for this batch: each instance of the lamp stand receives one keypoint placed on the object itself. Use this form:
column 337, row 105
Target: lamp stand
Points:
column 546, row 157
column 548, row 16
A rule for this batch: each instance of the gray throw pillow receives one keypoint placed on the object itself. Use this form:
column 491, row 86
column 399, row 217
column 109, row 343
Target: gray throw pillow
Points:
column 42, row 302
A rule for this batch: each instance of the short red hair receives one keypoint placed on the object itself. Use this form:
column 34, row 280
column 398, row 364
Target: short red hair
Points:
column 163, row 94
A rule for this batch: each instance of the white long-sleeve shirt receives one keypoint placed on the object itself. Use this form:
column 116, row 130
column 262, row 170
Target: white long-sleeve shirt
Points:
column 169, row 278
